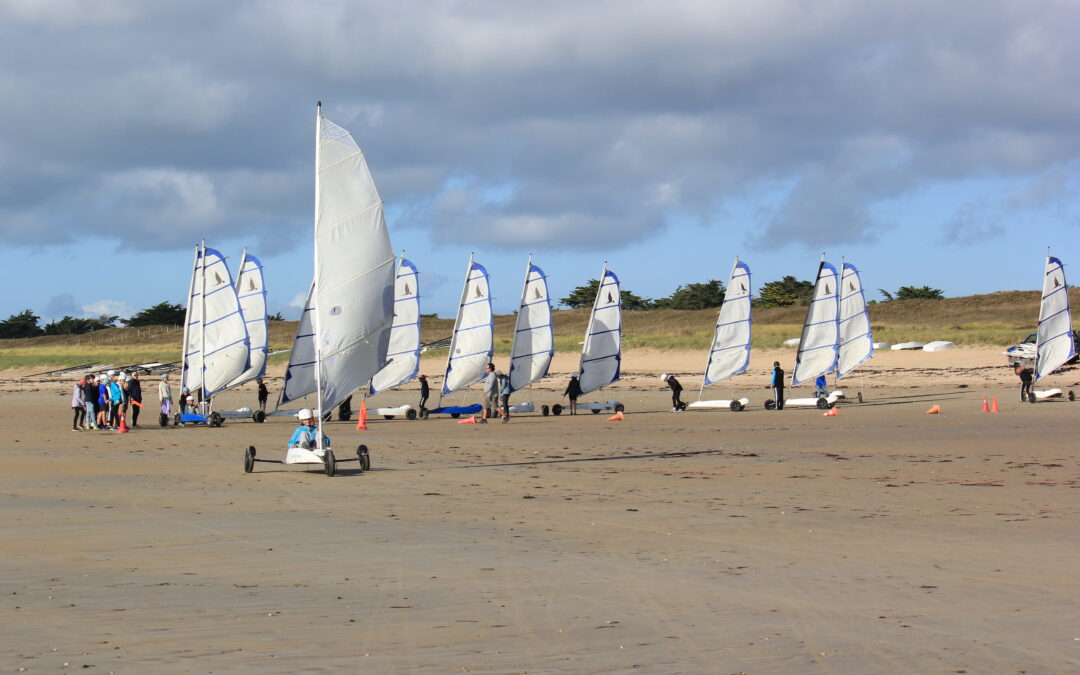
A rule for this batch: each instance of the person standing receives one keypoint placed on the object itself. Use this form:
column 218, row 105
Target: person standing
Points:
column 104, row 409
column 116, row 401
column 491, row 391
column 90, row 397
column 425, row 391
column 264, row 394
column 164, row 394
column 78, row 408
column 676, row 392
column 504, row 396
column 573, row 390
column 821, row 386
column 1026, row 378
column 777, row 384
column 134, row 391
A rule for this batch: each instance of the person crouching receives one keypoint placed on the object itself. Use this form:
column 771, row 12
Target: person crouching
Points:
column 306, row 434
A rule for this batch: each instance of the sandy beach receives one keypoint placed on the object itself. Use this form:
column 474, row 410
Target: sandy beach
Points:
column 882, row 540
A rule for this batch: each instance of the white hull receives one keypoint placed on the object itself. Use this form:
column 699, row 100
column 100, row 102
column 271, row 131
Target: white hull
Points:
column 607, row 405
column 303, row 456
column 1047, row 394
column 388, row 412
column 812, row 402
column 718, row 404
column 238, row 414
column 526, row 407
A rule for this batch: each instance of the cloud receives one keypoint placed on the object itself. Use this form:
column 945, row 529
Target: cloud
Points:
column 577, row 125
column 108, row 308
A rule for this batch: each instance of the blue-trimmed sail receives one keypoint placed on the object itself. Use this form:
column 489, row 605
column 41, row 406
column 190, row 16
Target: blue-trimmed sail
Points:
column 221, row 336
column 472, row 343
column 729, row 354
column 601, row 355
column 856, row 342
column 403, row 354
column 300, row 373
column 1054, row 340
column 533, row 344
column 820, row 334
column 251, row 292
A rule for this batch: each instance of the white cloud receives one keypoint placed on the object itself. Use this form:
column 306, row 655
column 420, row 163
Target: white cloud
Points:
column 108, row 308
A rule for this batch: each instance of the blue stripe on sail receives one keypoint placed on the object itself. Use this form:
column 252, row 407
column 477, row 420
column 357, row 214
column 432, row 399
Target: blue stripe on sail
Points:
column 822, row 323
column 465, row 356
column 249, row 295
column 535, row 302
column 602, row 332
column 600, row 358
column 223, row 318
column 732, row 323
column 1057, row 290
column 482, row 325
column 1060, row 311
column 814, row 349
column 226, row 346
column 301, row 365
column 473, row 302
column 525, row 330
column 525, row 356
column 226, row 286
column 853, row 317
column 724, row 349
column 864, row 336
column 305, row 336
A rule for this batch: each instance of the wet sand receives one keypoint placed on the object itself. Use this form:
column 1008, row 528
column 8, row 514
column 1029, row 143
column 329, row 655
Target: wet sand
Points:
column 882, row 540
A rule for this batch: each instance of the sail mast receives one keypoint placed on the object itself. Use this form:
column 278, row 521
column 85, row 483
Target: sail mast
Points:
column 202, row 324
column 315, row 285
column 184, row 365
column 521, row 313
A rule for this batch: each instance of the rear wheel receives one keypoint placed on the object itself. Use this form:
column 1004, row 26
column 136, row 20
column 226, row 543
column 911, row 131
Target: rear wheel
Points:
column 735, row 406
column 455, row 415
column 556, row 410
column 388, row 417
column 822, row 404
column 619, row 407
column 1072, row 396
column 410, row 414
column 860, row 397
column 249, row 459
column 770, row 405
column 329, row 463
column 363, row 457
column 596, row 411
column 1031, row 397
column 545, row 411
column 215, row 420
column 259, row 416
column 176, row 420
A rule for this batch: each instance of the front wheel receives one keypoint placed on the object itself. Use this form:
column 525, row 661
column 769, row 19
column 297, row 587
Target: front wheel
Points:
column 258, row 416
column 215, row 420
column 619, row 407
column 388, row 417
column 329, row 463
column 1031, row 397
column 249, row 459
column 545, row 411
column 410, row 414
column 596, row 411
column 770, row 405
column 735, row 406
column 455, row 415
column 822, row 404
column 556, row 410
column 363, row 457
column 1072, row 396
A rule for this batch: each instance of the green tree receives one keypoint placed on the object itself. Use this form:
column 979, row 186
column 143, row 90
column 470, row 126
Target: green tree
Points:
column 275, row 317
column 913, row 293
column 693, row 296
column 786, row 292
column 584, row 296
column 22, row 325
column 161, row 314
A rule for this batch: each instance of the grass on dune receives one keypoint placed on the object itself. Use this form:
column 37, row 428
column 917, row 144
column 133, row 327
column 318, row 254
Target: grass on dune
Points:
column 996, row 319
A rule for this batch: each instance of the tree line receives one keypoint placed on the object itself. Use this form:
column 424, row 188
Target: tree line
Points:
column 784, row 292
column 25, row 324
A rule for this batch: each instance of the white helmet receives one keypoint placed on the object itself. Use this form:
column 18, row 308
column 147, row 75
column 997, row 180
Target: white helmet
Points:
column 664, row 376
column 122, row 376
column 305, row 414
column 111, row 373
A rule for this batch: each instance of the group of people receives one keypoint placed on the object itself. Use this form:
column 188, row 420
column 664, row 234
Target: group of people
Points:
column 100, row 401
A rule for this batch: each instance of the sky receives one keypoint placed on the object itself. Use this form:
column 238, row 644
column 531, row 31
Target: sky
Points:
column 926, row 142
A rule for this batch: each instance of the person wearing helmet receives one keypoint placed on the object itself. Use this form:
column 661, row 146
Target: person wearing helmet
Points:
column 676, row 392
column 573, row 390
column 304, row 436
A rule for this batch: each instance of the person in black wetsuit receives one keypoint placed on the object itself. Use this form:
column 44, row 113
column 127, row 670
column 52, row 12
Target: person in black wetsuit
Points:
column 676, row 392
column 264, row 394
column 425, row 391
column 1026, row 378
column 573, row 390
column 134, row 390
column 777, row 384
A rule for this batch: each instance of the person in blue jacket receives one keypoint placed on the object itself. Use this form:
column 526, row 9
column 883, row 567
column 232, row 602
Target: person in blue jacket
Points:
column 304, row 435
column 777, row 384
column 821, row 386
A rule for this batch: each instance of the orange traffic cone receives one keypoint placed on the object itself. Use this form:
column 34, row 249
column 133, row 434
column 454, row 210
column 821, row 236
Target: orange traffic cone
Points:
column 986, row 405
column 617, row 417
column 361, row 424
column 834, row 412
column 468, row 420
column 122, row 429
column 994, row 408
column 934, row 409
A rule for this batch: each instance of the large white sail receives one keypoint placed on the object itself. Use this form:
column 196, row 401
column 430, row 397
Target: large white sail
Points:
column 191, row 354
column 224, row 336
column 601, row 355
column 404, row 352
column 817, row 346
column 472, row 343
column 533, row 343
column 856, row 343
column 300, row 373
column 730, row 351
column 251, row 292
column 1054, row 342
column 354, row 268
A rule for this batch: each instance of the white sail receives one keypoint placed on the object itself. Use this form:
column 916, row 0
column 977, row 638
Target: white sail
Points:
column 300, row 373
column 533, row 343
column 224, row 347
column 251, row 292
column 817, row 346
column 472, row 343
column 601, row 355
column 354, row 268
column 856, row 342
column 730, row 351
column 191, row 356
column 1054, row 340
column 404, row 352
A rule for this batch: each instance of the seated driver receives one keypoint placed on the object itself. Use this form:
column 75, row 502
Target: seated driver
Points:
column 307, row 432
